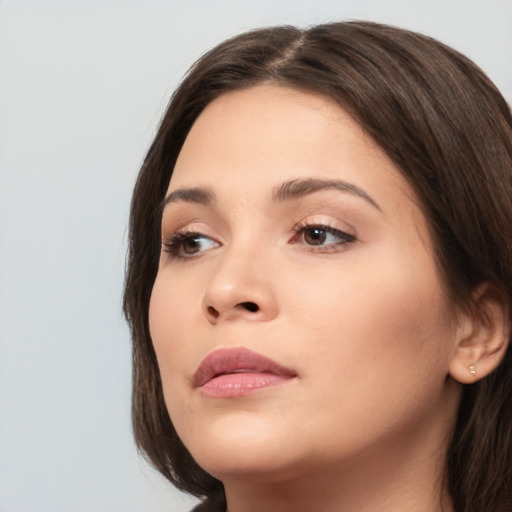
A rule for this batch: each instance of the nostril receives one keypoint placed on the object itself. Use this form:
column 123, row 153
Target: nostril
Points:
column 213, row 312
column 250, row 306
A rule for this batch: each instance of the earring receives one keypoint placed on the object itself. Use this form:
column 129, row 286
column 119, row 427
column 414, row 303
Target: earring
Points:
column 472, row 369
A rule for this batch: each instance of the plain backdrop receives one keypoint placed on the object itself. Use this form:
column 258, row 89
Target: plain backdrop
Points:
column 82, row 88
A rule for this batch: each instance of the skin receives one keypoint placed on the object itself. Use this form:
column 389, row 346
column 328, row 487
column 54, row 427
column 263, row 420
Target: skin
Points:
column 361, row 318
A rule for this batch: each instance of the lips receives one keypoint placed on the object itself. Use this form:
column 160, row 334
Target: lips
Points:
column 238, row 371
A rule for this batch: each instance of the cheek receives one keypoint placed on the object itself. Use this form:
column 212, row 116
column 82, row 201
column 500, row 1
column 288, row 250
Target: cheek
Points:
column 375, row 350
column 171, row 334
column 168, row 315
column 377, row 316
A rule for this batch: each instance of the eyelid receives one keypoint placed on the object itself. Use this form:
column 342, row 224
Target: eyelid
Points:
column 193, row 217
column 328, row 222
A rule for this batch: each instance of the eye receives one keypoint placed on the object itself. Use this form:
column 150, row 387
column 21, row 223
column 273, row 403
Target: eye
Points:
column 186, row 244
column 321, row 238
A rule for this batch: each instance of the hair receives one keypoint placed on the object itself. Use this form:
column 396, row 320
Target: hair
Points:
column 449, row 132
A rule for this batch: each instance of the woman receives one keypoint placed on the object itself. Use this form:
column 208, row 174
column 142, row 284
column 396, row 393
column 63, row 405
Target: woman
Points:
column 320, row 276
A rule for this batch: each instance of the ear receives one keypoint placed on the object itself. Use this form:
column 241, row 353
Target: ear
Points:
column 483, row 335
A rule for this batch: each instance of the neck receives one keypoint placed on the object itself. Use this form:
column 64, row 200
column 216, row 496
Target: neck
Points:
column 381, row 487
column 402, row 475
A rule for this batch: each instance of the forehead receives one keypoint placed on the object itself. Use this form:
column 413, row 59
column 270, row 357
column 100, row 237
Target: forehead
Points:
column 265, row 130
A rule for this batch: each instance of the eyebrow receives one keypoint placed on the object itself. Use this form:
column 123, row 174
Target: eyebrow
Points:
column 199, row 195
column 286, row 191
column 304, row 186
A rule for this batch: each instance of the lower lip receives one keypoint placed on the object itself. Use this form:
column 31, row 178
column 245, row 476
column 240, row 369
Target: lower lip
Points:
column 240, row 384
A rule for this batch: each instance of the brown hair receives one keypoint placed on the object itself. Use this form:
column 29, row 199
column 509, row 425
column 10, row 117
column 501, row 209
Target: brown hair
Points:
column 448, row 130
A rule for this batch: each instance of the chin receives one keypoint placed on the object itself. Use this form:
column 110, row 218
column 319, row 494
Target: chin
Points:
column 236, row 445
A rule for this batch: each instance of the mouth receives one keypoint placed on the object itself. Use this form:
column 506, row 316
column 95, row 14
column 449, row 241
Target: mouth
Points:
column 232, row 372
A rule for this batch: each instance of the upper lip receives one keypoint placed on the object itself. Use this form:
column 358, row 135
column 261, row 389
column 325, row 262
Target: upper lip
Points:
column 230, row 360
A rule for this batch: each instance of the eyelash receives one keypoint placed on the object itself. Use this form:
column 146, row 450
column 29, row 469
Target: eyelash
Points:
column 174, row 242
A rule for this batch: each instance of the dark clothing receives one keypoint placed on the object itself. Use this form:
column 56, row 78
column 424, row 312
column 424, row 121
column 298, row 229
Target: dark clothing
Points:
column 217, row 504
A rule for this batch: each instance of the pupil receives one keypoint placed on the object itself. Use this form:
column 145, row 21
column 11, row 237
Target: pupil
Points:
column 191, row 245
column 315, row 236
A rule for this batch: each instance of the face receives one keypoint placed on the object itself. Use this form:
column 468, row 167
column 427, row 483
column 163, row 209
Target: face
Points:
column 298, row 316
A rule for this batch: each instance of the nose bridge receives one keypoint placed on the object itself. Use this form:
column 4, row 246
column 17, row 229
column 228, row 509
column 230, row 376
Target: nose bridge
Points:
column 240, row 285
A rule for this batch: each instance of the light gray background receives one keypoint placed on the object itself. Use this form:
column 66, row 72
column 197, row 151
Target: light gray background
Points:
column 82, row 88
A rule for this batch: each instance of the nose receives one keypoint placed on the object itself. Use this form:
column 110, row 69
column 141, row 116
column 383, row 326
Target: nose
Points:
column 241, row 287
